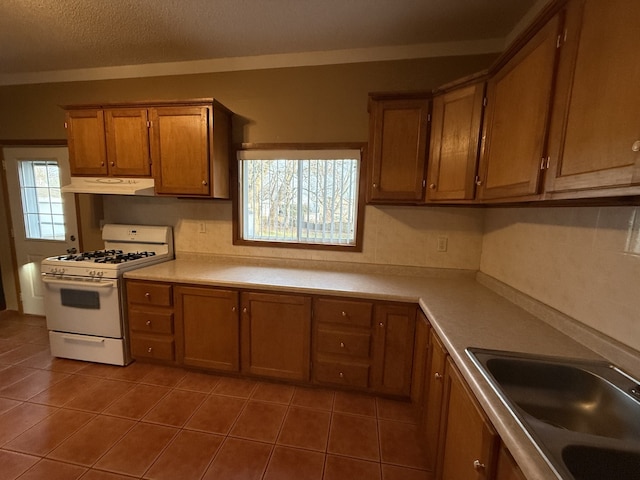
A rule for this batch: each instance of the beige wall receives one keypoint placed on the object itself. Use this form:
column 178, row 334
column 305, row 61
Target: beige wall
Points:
column 583, row 261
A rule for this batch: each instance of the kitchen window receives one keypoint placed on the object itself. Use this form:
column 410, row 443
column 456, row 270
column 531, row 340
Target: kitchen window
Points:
column 305, row 197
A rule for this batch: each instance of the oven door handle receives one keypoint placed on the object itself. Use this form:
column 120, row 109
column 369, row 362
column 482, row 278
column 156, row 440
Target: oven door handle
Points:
column 77, row 283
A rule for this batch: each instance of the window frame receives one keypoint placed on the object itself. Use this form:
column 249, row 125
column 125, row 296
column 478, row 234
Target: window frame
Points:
column 360, row 207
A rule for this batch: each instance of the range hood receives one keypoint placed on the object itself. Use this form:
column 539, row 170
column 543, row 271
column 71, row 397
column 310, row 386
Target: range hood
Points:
column 110, row 186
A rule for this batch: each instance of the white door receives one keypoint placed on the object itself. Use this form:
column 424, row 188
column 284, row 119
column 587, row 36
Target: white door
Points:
column 43, row 219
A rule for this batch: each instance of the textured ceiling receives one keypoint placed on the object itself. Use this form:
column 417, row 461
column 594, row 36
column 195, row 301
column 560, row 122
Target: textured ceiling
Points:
column 52, row 35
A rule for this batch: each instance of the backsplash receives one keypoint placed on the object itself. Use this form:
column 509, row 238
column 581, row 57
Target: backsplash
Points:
column 392, row 235
column 582, row 261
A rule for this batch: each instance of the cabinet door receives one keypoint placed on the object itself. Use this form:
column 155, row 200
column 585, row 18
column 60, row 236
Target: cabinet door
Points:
column 455, row 136
column 468, row 443
column 276, row 335
column 596, row 119
column 398, row 135
column 180, row 150
column 507, row 468
column 518, row 104
column 128, row 142
column 207, row 328
column 393, row 348
column 432, row 399
column 86, row 140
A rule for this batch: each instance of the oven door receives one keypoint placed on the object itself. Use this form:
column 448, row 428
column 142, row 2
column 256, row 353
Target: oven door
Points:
column 80, row 305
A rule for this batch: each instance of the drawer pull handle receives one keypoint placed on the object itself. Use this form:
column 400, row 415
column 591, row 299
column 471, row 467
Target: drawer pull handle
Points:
column 344, row 314
column 478, row 466
column 150, row 349
column 148, row 323
column 147, row 295
column 341, row 375
column 438, row 376
column 341, row 344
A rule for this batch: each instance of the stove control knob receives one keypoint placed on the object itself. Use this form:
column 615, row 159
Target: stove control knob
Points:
column 100, row 273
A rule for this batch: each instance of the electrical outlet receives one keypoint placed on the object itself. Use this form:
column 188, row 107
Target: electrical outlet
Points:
column 442, row 243
column 202, row 227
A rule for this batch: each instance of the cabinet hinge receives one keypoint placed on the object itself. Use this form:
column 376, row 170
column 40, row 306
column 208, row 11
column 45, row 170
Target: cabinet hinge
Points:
column 12, row 233
column 148, row 123
column 4, row 165
column 484, row 102
column 424, row 182
column 66, row 125
column 428, row 117
column 548, row 161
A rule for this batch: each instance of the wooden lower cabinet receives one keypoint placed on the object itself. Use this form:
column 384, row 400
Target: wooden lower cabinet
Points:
column 429, row 423
column 151, row 323
column 393, row 337
column 468, row 441
column 207, row 328
column 342, row 342
column 507, row 468
column 276, row 335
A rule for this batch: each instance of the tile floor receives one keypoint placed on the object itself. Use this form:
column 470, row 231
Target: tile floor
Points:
column 65, row 419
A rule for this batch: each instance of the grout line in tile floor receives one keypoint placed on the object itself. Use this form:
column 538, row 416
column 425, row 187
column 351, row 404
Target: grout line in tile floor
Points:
column 23, row 353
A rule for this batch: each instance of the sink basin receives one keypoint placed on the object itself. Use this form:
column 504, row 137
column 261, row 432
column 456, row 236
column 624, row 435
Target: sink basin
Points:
column 579, row 413
column 589, row 463
column 574, row 396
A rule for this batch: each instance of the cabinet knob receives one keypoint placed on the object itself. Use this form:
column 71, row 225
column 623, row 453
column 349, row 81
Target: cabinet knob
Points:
column 432, row 186
column 148, row 323
column 204, row 183
column 344, row 314
column 636, row 146
column 478, row 466
column 113, row 164
column 438, row 376
column 233, row 309
column 150, row 349
column 375, row 185
column 381, row 324
column 102, row 164
column 341, row 344
column 341, row 375
column 245, row 310
column 478, row 181
column 147, row 295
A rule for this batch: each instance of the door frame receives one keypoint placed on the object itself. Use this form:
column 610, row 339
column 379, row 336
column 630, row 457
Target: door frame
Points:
column 8, row 219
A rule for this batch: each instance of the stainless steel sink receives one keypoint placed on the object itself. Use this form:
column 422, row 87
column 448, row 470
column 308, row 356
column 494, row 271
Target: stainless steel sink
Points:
column 577, row 412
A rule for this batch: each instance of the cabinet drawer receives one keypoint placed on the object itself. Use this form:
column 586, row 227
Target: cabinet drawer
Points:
column 151, row 322
column 343, row 343
column 158, row 348
column 158, row 294
column 348, row 374
column 345, row 312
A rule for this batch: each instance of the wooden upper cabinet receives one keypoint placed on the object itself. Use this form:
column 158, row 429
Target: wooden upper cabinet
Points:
column 180, row 149
column 183, row 144
column 595, row 134
column 127, row 142
column 518, row 106
column 398, row 130
column 86, row 140
column 455, row 136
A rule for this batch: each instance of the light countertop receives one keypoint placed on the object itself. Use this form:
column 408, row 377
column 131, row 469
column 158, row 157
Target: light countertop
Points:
column 463, row 312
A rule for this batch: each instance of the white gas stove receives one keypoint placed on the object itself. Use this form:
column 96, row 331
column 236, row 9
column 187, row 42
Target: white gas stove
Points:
column 84, row 298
